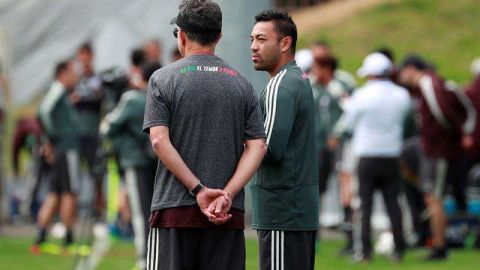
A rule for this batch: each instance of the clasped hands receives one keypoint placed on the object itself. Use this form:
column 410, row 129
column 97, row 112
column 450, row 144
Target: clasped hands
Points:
column 215, row 204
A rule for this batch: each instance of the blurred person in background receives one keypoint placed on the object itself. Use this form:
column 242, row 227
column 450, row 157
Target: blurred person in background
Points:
column 473, row 147
column 388, row 52
column 473, row 92
column 135, row 77
column 375, row 115
column 335, row 154
column 175, row 55
column 124, row 126
column 446, row 119
column 60, row 149
column 328, row 112
column 153, row 52
column 87, row 99
column 321, row 49
column 27, row 135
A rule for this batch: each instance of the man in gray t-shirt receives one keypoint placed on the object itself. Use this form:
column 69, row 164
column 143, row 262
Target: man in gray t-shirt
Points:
column 206, row 127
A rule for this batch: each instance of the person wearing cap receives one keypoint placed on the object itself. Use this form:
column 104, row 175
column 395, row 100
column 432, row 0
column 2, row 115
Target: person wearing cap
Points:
column 446, row 119
column 375, row 115
column 206, row 128
column 285, row 193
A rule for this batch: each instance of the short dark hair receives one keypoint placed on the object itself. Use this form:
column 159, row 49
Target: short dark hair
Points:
column 328, row 62
column 416, row 61
column 387, row 52
column 284, row 25
column 137, row 57
column 322, row 43
column 87, row 46
column 61, row 67
column 204, row 14
column 148, row 69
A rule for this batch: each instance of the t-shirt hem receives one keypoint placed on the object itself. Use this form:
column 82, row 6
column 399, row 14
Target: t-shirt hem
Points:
column 257, row 136
column 148, row 125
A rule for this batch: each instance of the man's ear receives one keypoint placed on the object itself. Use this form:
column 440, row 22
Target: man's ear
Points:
column 183, row 37
column 285, row 44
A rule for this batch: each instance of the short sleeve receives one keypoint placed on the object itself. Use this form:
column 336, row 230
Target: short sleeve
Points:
column 157, row 110
column 254, row 127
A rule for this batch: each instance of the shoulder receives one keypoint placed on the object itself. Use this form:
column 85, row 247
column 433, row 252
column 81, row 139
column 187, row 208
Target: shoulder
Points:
column 130, row 95
column 293, row 80
column 54, row 95
column 168, row 72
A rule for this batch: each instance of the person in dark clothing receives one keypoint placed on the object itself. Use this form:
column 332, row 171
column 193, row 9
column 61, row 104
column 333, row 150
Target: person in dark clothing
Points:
column 87, row 99
column 446, row 118
column 28, row 134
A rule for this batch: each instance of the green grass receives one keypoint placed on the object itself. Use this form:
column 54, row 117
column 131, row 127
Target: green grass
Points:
column 14, row 255
column 446, row 32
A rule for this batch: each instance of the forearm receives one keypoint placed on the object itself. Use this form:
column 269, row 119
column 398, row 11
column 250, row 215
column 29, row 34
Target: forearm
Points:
column 174, row 162
column 249, row 162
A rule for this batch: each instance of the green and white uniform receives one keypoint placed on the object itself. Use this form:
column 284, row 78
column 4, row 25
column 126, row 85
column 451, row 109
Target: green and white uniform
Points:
column 59, row 122
column 124, row 126
column 285, row 191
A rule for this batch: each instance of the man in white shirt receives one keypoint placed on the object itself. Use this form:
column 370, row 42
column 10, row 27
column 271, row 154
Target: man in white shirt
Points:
column 376, row 114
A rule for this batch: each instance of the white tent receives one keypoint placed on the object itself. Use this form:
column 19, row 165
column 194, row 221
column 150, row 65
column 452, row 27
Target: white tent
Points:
column 42, row 32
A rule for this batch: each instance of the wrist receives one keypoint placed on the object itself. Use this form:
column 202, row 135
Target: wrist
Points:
column 197, row 190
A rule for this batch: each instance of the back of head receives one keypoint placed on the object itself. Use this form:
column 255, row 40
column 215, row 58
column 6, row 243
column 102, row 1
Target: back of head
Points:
column 201, row 20
column 330, row 63
column 387, row 52
column 137, row 57
column 284, row 25
column 416, row 61
column 148, row 70
column 60, row 68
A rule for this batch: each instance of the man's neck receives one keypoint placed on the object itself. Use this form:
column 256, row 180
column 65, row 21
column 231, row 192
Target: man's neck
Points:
column 193, row 49
column 284, row 59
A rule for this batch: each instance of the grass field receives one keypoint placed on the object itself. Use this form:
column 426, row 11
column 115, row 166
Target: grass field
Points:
column 14, row 256
column 445, row 32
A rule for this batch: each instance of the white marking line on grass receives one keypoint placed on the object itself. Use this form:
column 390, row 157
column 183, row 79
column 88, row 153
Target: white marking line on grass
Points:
column 99, row 249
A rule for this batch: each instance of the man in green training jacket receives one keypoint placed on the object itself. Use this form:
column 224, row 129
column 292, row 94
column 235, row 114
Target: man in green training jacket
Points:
column 285, row 192
column 124, row 127
column 60, row 149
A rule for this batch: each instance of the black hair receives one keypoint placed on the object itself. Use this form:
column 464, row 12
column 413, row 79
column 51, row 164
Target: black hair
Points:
column 61, row 67
column 415, row 61
column 87, row 46
column 321, row 42
column 148, row 70
column 387, row 52
column 137, row 57
column 284, row 25
column 204, row 14
column 328, row 62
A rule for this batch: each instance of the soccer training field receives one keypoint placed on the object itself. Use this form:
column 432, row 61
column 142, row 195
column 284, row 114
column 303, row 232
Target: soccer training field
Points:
column 14, row 255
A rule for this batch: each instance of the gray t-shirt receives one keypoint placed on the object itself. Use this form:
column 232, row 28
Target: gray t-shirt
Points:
column 210, row 110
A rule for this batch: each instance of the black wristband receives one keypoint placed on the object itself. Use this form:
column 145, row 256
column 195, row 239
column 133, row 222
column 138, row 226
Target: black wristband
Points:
column 196, row 189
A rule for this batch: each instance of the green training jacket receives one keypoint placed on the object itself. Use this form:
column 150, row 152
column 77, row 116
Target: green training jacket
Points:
column 285, row 190
column 124, row 127
column 58, row 118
